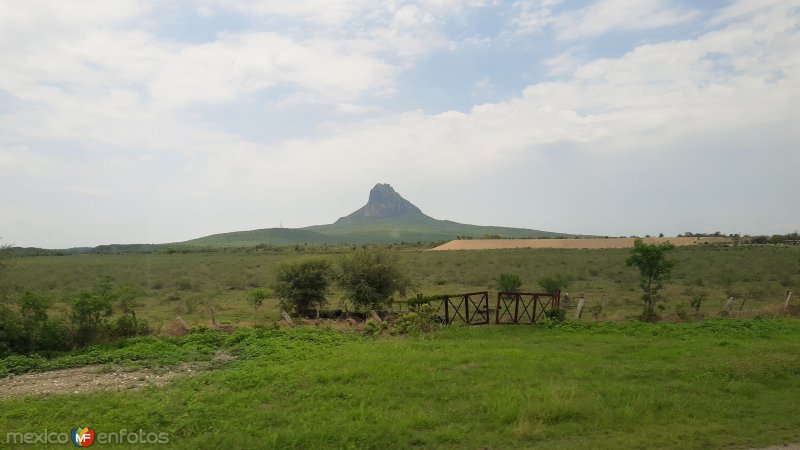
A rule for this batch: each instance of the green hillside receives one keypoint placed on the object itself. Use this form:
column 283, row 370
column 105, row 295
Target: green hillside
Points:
column 393, row 230
column 276, row 236
column 387, row 218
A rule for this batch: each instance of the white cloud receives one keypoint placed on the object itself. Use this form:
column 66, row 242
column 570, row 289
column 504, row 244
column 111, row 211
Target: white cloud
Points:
column 110, row 107
column 600, row 17
column 566, row 62
column 327, row 12
column 745, row 8
column 236, row 65
column 605, row 16
column 533, row 15
column 205, row 11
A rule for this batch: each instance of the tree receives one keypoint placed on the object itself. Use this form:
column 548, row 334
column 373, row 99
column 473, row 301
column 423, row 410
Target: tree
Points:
column 654, row 268
column 509, row 282
column 256, row 298
column 302, row 286
column 3, row 251
column 89, row 310
column 33, row 314
column 370, row 278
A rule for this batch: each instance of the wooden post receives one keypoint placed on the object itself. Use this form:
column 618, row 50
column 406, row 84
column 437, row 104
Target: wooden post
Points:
column 375, row 316
column 287, row 318
column 579, row 309
column 728, row 303
column 181, row 322
column 788, row 297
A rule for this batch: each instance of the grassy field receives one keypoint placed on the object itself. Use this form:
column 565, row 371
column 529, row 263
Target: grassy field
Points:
column 721, row 383
column 187, row 285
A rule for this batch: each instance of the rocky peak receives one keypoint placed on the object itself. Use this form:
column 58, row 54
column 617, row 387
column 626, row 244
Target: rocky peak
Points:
column 383, row 202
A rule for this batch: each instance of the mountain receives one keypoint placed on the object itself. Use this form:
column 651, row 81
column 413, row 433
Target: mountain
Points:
column 386, row 218
column 385, row 203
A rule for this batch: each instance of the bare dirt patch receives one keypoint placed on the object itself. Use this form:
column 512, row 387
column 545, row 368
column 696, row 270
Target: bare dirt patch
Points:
column 105, row 377
column 492, row 244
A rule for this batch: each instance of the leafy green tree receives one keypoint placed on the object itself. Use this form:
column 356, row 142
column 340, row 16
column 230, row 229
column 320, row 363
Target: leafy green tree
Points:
column 33, row 317
column 509, row 282
column 370, row 278
column 654, row 268
column 89, row 310
column 3, row 251
column 553, row 283
column 127, row 324
column 256, row 298
column 302, row 286
column 11, row 332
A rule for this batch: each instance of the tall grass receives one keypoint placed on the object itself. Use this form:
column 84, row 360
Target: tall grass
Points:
column 189, row 285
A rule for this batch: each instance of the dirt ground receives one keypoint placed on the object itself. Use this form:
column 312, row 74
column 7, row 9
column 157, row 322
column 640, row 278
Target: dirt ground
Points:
column 491, row 244
column 106, row 377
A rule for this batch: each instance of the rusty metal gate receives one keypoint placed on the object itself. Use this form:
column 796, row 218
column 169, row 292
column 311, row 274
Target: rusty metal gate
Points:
column 525, row 307
column 471, row 309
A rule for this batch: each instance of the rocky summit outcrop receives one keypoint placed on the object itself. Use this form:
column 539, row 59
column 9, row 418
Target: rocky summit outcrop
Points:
column 384, row 203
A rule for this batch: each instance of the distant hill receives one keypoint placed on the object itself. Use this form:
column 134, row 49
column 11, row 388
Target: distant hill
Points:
column 386, row 218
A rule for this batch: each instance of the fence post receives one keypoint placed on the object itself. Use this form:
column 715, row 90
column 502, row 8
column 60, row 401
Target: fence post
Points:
column 728, row 304
column 287, row 318
column 788, row 297
column 579, row 310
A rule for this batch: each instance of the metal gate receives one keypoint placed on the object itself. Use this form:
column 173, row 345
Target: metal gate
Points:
column 470, row 309
column 525, row 307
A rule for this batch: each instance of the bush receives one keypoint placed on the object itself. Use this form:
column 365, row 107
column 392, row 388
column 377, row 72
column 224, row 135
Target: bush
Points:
column 509, row 282
column 375, row 328
column 556, row 315
column 370, row 278
column 422, row 319
column 128, row 326
column 551, row 284
column 302, row 286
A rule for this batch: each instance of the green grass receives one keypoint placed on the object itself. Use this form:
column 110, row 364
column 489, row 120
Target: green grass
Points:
column 715, row 384
column 187, row 285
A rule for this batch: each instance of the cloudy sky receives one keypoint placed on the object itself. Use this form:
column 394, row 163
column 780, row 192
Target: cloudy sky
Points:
column 128, row 121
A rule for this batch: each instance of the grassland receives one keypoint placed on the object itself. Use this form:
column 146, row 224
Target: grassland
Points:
column 594, row 383
column 187, row 285
column 721, row 383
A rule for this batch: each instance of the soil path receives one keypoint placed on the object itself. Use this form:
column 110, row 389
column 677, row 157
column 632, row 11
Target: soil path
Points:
column 106, row 377
column 489, row 244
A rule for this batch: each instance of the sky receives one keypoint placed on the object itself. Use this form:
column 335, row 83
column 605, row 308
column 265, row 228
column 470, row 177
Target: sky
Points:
column 132, row 121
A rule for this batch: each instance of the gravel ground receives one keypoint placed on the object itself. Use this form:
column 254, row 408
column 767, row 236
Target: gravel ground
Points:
column 97, row 378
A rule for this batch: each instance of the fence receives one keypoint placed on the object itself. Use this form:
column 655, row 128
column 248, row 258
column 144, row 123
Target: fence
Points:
column 511, row 308
column 525, row 307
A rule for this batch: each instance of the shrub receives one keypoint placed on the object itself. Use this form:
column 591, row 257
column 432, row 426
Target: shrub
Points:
column 556, row 315
column 370, row 278
column 509, row 282
column 422, row 319
column 256, row 298
column 302, row 286
column 654, row 268
column 551, row 284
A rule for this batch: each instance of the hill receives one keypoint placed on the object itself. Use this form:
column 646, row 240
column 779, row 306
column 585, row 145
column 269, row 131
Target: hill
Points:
column 387, row 218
